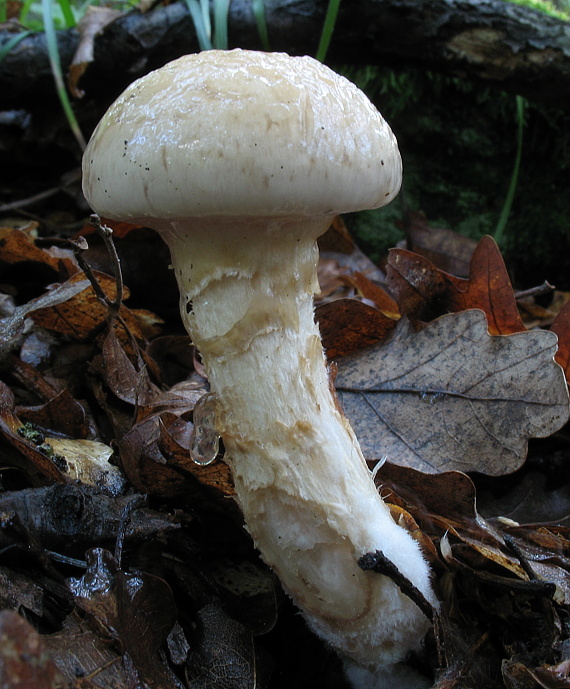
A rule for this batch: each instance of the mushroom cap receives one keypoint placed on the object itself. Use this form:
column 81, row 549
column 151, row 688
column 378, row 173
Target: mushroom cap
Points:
column 240, row 133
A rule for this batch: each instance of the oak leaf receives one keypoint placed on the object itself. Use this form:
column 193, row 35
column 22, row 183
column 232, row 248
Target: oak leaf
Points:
column 453, row 397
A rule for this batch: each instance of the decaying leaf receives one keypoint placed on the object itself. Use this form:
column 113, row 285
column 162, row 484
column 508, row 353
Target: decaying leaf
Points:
column 453, row 397
column 25, row 663
column 425, row 292
column 561, row 327
column 18, row 246
column 94, row 21
column 73, row 515
column 88, row 461
column 12, row 327
column 448, row 250
column 82, row 315
column 225, row 656
column 347, row 325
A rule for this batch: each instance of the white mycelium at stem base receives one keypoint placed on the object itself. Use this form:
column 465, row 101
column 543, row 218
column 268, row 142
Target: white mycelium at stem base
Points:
column 240, row 160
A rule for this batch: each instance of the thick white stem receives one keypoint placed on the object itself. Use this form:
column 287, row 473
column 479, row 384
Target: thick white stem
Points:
column 306, row 493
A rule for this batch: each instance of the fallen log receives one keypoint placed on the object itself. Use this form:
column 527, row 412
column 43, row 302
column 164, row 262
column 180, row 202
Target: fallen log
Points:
column 516, row 48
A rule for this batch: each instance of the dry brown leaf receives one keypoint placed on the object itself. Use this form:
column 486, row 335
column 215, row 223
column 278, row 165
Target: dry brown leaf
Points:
column 82, row 315
column 561, row 327
column 425, row 292
column 453, row 397
column 94, row 21
column 30, row 448
column 489, row 288
column 12, row 327
column 25, row 663
column 18, row 246
column 348, row 325
column 447, row 249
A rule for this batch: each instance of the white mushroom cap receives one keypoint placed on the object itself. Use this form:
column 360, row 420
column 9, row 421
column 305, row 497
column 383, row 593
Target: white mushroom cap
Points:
column 240, row 133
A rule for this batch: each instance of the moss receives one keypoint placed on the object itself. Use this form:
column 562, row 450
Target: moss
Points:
column 458, row 143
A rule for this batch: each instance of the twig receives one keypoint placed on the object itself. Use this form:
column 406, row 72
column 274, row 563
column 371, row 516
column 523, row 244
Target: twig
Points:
column 79, row 246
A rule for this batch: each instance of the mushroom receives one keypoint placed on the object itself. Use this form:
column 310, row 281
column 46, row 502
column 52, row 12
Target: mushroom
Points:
column 240, row 160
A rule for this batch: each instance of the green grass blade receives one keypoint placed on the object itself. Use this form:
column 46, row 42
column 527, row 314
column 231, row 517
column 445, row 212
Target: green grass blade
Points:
column 221, row 12
column 202, row 32
column 507, row 205
column 7, row 47
column 25, row 11
column 258, row 9
column 55, row 63
column 3, row 11
column 205, row 6
column 67, row 11
column 328, row 29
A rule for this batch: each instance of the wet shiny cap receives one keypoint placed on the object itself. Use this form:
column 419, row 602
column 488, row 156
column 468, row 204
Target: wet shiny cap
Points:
column 240, row 133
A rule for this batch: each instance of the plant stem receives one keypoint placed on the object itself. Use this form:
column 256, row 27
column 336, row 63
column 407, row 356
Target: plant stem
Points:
column 202, row 30
column 258, row 9
column 505, row 212
column 221, row 10
column 55, row 63
column 328, row 28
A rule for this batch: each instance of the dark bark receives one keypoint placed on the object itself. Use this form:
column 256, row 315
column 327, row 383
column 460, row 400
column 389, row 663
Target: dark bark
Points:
column 516, row 48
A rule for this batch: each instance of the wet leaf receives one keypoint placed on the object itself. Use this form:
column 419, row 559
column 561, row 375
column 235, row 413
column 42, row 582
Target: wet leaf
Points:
column 128, row 382
column 453, row 397
column 136, row 609
column 489, row 288
column 424, row 292
column 347, row 325
column 225, row 656
column 25, row 663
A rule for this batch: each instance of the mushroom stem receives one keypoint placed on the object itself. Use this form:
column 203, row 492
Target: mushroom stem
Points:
column 306, row 493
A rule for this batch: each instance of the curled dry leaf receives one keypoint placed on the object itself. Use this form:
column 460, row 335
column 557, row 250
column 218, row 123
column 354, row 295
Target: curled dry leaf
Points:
column 80, row 316
column 18, row 246
column 32, row 451
column 488, row 288
column 425, row 292
column 12, row 327
column 94, row 21
column 453, row 397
